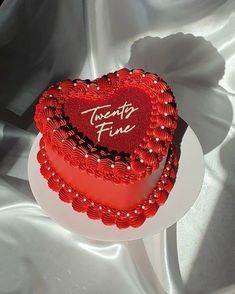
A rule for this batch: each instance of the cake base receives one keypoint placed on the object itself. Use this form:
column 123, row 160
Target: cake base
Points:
column 184, row 193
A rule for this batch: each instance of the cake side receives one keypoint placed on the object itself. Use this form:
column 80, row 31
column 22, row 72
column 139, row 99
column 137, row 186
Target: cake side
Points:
column 123, row 219
column 119, row 196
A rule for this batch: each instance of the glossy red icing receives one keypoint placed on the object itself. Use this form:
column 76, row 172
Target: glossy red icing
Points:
column 122, row 218
column 113, row 176
column 126, row 113
column 118, row 196
column 52, row 121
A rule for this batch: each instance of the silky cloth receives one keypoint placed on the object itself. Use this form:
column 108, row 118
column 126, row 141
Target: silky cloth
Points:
column 191, row 44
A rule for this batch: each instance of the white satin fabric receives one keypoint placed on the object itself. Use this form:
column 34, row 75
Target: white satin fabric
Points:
column 191, row 44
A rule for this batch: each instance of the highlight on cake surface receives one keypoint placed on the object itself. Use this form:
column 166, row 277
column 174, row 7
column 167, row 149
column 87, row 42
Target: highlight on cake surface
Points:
column 107, row 145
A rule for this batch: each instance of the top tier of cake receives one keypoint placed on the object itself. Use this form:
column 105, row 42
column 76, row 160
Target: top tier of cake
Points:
column 118, row 127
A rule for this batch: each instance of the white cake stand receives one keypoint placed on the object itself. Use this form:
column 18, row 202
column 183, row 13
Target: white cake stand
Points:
column 186, row 189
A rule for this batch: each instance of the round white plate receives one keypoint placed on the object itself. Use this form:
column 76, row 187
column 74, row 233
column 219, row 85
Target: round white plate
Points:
column 183, row 195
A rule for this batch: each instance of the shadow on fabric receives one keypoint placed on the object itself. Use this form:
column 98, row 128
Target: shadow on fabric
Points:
column 215, row 258
column 38, row 46
column 193, row 68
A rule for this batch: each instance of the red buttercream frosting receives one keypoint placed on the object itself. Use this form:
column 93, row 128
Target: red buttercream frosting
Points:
column 107, row 145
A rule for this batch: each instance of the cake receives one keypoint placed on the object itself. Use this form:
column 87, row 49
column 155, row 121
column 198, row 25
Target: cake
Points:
column 107, row 146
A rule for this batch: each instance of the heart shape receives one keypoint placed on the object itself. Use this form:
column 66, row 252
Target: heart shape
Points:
column 112, row 119
column 118, row 126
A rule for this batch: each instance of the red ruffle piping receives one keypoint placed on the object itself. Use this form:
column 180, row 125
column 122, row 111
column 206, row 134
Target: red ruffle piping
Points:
column 53, row 124
column 110, row 216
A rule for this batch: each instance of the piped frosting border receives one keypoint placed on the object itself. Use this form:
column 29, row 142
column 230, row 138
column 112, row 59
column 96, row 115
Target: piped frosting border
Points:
column 110, row 216
column 82, row 153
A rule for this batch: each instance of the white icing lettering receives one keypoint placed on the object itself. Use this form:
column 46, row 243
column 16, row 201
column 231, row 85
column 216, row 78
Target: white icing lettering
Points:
column 126, row 129
column 94, row 110
column 97, row 114
column 103, row 129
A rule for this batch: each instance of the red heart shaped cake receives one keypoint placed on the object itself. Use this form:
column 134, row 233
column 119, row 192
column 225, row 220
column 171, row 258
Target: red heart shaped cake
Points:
column 107, row 145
